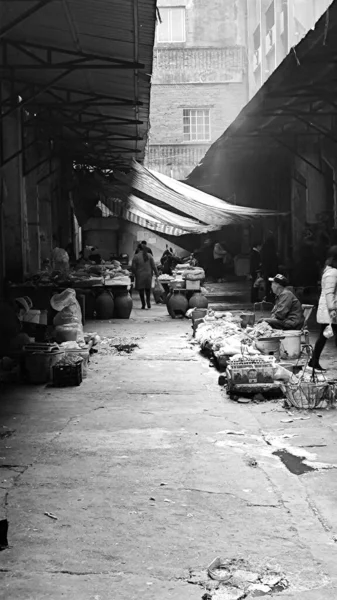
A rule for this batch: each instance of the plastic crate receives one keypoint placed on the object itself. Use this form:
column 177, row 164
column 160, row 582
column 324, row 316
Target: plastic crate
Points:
column 68, row 375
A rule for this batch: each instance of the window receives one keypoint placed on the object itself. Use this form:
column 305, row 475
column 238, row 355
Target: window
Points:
column 172, row 28
column 270, row 28
column 196, row 125
column 257, row 48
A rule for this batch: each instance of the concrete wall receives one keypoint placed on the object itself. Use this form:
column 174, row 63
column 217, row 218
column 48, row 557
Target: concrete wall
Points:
column 298, row 17
column 116, row 236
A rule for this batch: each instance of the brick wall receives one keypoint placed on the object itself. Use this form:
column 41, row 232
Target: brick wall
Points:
column 207, row 71
column 168, row 101
column 199, row 65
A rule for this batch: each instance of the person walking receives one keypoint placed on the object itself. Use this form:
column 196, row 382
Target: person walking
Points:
column 327, row 306
column 143, row 268
column 219, row 258
column 269, row 263
column 255, row 269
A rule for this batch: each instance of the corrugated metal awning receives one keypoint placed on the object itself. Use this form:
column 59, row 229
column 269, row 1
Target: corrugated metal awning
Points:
column 297, row 102
column 82, row 71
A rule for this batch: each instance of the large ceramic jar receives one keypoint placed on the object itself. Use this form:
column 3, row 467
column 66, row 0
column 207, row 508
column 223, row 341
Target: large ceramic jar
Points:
column 177, row 304
column 89, row 304
column 168, row 296
column 123, row 305
column 198, row 301
column 104, row 306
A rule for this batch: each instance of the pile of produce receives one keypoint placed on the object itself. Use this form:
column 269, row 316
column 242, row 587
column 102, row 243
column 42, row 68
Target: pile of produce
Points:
column 189, row 272
column 87, row 274
column 222, row 334
column 262, row 330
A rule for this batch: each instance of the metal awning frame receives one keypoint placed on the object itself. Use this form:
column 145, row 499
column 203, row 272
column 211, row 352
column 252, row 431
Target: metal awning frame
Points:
column 82, row 121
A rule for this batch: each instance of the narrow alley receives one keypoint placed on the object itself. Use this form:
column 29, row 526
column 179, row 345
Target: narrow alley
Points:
column 151, row 472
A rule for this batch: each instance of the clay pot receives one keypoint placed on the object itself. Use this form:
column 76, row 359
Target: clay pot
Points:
column 168, row 296
column 104, row 306
column 123, row 305
column 177, row 304
column 198, row 301
column 89, row 304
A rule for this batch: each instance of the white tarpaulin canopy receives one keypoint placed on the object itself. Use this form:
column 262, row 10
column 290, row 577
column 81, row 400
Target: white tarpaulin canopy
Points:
column 166, row 192
column 146, row 215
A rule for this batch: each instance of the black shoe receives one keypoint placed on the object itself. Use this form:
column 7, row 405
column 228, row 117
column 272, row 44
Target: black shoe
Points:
column 149, row 305
column 143, row 307
column 317, row 366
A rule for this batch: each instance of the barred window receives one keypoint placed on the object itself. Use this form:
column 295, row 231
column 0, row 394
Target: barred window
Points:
column 196, row 123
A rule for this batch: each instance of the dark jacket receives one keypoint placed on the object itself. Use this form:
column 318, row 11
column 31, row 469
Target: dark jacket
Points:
column 143, row 271
column 269, row 258
column 148, row 250
column 288, row 310
column 255, row 262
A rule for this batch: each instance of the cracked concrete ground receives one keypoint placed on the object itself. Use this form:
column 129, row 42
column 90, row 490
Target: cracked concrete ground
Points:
column 148, row 468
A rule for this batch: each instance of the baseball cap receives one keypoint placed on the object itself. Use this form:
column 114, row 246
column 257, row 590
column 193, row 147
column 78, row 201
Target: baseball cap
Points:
column 281, row 279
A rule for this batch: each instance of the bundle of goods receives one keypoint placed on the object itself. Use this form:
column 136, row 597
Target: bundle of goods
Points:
column 262, row 330
column 68, row 321
column 221, row 336
column 191, row 276
column 196, row 274
column 164, row 278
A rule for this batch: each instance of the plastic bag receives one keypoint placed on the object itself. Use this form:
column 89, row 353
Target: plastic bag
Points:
column 158, row 288
column 70, row 314
column 69, row 311
column 196, row 275
column 60, row 301
column 328, row 332
column 61, row 260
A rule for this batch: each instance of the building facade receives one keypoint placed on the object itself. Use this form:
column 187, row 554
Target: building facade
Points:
column 274, row 27
column 199, row 82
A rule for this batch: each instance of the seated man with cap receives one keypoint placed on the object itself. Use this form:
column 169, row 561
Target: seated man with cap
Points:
column 287, row 312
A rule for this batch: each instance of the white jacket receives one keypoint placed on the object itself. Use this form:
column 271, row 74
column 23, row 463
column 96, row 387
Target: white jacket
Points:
column 328, row 299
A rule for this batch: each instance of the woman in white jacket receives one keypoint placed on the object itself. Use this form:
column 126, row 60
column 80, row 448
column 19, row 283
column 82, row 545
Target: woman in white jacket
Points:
column 327, row 307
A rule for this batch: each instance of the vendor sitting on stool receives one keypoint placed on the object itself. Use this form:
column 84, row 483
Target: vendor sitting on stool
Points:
column 287, row 312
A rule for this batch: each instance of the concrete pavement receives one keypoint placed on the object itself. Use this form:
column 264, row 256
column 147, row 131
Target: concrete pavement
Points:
column 152, row 472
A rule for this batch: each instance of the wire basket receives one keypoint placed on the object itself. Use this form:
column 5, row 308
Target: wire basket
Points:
column 310, row 395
